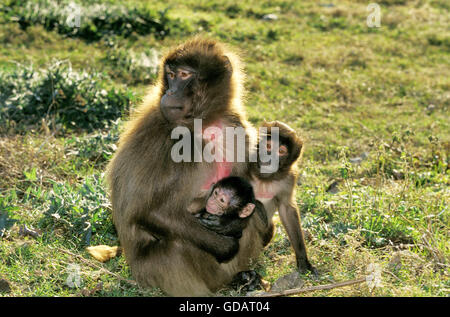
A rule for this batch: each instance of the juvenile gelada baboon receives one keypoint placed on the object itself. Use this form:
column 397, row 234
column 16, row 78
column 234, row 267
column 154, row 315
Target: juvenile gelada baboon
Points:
column 276, row 190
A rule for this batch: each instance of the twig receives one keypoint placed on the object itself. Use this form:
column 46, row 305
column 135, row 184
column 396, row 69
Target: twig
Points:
column 313, row 288
column 393, row 275
column 82, row 259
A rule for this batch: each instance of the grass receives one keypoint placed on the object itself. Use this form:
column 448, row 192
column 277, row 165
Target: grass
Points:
column 346, row 88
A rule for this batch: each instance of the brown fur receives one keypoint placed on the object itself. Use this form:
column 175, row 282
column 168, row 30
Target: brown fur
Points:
column 150, row 193
column 281, row 185
column 294, row 155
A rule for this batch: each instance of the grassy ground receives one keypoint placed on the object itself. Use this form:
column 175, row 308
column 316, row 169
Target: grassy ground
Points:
column 371, row 103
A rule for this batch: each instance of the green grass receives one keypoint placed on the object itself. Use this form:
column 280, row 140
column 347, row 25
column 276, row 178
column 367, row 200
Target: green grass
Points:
column 346, row 88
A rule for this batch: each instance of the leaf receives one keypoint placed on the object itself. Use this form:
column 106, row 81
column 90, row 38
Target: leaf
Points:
column 103, row 253
column 31, row 176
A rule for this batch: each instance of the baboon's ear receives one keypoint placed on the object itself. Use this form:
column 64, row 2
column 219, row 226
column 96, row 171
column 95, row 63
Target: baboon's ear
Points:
column 247, row 210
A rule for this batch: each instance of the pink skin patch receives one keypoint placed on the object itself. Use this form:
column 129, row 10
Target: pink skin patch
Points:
column 212, row 208
column 222, row 169
column 264, row 190
column 264, row 195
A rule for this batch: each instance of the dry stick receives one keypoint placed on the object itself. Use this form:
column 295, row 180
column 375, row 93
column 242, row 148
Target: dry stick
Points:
column 313, row 288
column 82, row 259
column 393, row 275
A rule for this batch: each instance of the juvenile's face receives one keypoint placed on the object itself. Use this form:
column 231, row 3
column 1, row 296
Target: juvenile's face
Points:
column 273, row 145
column 270, row 150
column 219, row 201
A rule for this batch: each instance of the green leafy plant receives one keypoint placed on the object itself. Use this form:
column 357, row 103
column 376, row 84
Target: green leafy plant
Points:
column 96, row 147
column 61, row 95
column 81, row 214
column 90, row 22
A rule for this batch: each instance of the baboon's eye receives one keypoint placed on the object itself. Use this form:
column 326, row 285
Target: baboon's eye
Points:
column 282, row 150
column 171, row 75
column 185, row 75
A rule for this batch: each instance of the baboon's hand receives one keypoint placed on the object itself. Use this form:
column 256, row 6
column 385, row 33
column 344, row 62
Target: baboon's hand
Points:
column 228, row 250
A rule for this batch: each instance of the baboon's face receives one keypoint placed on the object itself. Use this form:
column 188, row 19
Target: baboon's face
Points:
column 176, row 103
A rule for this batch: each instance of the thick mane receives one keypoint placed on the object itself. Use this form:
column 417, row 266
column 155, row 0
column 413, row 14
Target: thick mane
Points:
column 207, row 56
column 213, row 58
column 215, row 62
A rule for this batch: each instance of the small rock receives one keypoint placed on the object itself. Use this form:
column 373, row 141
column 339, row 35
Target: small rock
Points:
column 431, row 107
column 359, row 159
column 288, row 281
column 398, row 175
column 270, row 17
column 333, row 188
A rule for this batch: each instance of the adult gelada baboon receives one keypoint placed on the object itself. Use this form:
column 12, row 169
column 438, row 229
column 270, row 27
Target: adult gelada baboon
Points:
column 164, row 244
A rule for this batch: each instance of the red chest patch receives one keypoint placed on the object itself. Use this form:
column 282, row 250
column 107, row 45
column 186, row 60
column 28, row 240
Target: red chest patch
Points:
column 223, row 168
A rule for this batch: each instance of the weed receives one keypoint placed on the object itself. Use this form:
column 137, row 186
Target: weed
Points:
column 60, row 96
column 90, row 22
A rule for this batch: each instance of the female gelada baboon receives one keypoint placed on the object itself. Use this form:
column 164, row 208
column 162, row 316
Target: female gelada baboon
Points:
column 164, row 244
